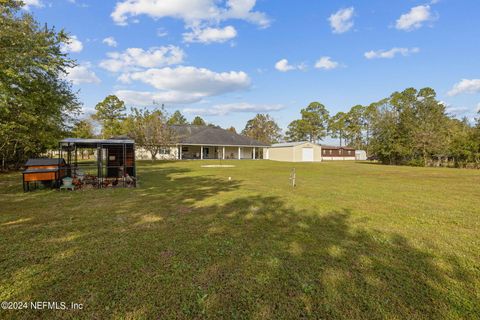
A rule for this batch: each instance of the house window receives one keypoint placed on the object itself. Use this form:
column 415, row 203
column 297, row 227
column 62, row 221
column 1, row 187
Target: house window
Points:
column 349, row 152
column 164, row 150
column 324, row 152
column 340, row 151
column 330, row 151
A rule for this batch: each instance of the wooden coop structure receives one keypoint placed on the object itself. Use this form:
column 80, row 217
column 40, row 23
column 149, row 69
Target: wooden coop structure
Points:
column 113, row 163
column 43, row 170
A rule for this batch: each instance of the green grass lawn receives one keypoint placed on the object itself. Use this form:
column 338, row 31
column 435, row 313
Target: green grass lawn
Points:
column 352, row 241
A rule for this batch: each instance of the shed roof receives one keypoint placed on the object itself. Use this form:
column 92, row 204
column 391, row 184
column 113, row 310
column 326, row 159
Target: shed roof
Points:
column 336, row 147
column 44, row 162
column 207, row 135
column 288, row 144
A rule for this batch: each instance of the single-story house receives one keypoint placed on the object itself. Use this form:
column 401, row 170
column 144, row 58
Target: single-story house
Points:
column 208, row 142
column 302, row 151
column 337, row 153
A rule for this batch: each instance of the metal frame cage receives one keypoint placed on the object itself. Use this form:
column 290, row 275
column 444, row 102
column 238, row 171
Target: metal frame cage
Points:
column 113, row 166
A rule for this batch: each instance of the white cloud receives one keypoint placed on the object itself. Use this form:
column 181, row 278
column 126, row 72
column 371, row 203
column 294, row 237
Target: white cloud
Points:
column 326, row 63
column 415, row 18
column 73, row 45
column 191, row 79
column 209, row 35
column 146, row 98
column 182, row 84
column 224, row 109
column 192, row 12
column 134, row 58
column 342, row 20
column 284, row 66
column 457, row 110
column 81, row 74
column 465, row 86
column 110, row 41
column 32, row 3
column 389, row 54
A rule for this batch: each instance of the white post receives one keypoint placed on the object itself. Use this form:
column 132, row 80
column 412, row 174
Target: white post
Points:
column 180, row 152
column 201, row 152
column 239, row 153
column 223, row 153
column 253, row 153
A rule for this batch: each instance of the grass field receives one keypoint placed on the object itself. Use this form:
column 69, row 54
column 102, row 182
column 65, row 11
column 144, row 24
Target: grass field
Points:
column 352, row 241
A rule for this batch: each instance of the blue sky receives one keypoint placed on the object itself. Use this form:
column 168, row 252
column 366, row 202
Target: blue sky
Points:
column 226, row 60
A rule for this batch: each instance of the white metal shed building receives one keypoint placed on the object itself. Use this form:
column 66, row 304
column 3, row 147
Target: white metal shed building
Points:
column 303, row 151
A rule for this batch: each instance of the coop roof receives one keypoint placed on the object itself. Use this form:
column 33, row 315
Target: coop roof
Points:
column 207, row 135
column 119, row 140
column 44, row 162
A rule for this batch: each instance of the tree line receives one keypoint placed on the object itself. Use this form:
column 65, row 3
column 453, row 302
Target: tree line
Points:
column 410, row 127
column 38, row 107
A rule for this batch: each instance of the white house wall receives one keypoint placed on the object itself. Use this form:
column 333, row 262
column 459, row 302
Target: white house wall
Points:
column 142, row 154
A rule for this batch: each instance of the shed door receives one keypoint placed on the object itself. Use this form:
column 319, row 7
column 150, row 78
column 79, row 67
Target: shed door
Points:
column 307, row 154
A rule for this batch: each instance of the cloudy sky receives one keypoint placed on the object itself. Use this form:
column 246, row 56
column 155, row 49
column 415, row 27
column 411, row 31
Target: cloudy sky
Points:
column 226, row 60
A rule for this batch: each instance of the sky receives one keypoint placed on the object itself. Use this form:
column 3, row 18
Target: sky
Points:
column 226, row 60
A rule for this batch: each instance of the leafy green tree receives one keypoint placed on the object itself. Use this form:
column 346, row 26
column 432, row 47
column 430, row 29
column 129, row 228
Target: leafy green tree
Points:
column 263, row 128
column 177, row 118
column 337, row 125
column 150, row 130
column 429, row 132
column 355, row 125
column 296, row 131
column 411, row 128
column 232, row 129
column 83, row 129
column 315, row 121
column 198, row 121
column 110, row 113
column 312, row 126
column 36, row 102
column 462, row 145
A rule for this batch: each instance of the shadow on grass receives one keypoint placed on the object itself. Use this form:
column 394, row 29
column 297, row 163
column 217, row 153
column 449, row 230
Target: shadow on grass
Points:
column 159, row 254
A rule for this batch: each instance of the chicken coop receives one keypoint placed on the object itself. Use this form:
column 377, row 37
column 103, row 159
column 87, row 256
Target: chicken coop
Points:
column 108, row 162
column 43, row 171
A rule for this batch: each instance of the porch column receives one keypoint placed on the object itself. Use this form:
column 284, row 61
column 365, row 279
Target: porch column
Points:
column 239, row 153
column 223, row 153
column 180, row 152
column 253, row 153
column 201, row 152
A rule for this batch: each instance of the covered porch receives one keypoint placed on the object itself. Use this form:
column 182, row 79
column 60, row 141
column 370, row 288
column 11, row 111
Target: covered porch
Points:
column 205, row 152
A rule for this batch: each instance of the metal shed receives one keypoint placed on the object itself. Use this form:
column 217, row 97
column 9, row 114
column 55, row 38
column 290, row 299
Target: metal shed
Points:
column 302, row 151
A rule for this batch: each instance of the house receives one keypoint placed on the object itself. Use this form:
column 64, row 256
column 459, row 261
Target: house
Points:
column 302, row 151
column 337, row 153
column 207, row 142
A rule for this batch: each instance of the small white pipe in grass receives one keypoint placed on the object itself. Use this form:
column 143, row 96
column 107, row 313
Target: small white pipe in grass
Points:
column 293, row 178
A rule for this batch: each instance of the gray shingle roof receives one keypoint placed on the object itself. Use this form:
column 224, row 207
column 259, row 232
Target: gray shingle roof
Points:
column 206, row 135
